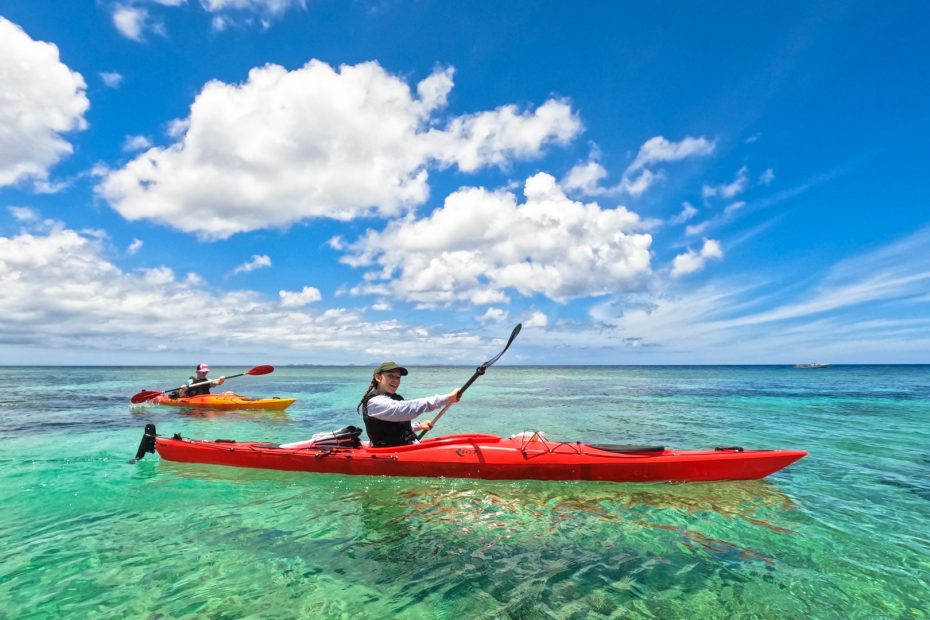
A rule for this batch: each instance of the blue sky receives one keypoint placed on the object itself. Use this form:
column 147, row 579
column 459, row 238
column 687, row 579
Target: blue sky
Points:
column 322, row 182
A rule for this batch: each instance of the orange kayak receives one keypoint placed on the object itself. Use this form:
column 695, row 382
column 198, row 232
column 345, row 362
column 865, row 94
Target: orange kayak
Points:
column 225, row 401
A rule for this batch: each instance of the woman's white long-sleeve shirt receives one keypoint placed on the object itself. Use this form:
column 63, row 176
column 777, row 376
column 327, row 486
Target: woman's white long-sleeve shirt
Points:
column 385, row 408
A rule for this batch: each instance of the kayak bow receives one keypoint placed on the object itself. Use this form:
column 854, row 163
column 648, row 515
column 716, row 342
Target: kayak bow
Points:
column 490, row 457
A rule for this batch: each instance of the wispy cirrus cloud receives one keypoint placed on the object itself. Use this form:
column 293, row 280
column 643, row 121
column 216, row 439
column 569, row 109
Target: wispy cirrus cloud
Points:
column 587, row 178
column 777, row 321
column 897, row 273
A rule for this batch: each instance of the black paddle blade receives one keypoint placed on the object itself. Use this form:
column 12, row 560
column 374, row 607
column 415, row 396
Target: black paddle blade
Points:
column 146, row 445
column 481, row 369
column 513, row 335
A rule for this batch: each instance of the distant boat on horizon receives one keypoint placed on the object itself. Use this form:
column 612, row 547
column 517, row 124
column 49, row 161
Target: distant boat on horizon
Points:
column 812, row 365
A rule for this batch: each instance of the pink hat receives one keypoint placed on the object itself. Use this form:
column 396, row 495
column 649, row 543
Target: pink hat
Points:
column 203, row 368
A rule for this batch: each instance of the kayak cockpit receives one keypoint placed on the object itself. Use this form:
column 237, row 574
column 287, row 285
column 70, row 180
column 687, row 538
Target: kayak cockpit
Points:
column 435, row 442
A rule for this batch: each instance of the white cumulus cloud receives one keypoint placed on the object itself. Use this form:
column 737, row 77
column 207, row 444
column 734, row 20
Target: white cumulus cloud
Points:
column 688, row 211
column 495, row 137
column 40, row 100
column 588, row 178
column 130, row 21
column 636, row 186
column 692, row 261
column 259, row 261
column 60, row 292
column 111, row 78
column 229, row 13
column 659, row 149
column 136, row 143
column 24, row 214
column 733, row 208
column 482, row 244
column 294, row 299
column 245, row 12
column 729, row 190
column 133, row 18
column 272, row 6
column 537, row 319
column 693, row 230
column 493, row 315
column 638, row 177
column 286, row 146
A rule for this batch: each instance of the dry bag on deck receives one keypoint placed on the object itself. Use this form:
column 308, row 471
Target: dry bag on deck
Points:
column 347, row 437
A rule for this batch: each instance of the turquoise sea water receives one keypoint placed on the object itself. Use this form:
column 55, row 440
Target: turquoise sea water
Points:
column 841, row 534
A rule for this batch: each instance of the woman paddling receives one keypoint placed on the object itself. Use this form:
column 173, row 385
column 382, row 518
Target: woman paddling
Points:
column 197, row 384
column 388, row 417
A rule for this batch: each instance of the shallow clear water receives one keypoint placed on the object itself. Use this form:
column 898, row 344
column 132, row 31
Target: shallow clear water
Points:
column 840, row 534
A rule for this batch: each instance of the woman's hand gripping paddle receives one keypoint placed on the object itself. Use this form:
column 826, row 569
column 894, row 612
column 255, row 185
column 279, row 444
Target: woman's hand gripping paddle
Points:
column 478, row 372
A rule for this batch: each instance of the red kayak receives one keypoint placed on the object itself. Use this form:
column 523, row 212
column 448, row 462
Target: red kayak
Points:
column 484, row 456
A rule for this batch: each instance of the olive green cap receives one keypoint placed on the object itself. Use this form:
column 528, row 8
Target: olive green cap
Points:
column 386, row 366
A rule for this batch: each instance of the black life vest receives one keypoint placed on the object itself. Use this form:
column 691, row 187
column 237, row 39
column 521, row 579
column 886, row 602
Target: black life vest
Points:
column 383, row 433
column 200, row 389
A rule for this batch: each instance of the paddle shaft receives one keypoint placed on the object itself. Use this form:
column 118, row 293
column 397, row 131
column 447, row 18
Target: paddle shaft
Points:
column 478, row 372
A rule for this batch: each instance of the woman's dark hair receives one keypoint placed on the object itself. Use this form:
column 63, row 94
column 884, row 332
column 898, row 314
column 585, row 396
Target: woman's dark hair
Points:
column 368, row 390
